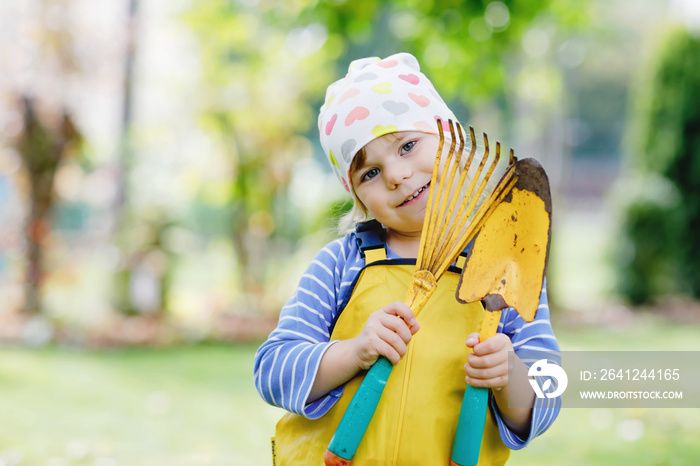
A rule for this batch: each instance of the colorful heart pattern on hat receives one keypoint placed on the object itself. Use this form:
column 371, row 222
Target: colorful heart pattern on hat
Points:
column 357, row 113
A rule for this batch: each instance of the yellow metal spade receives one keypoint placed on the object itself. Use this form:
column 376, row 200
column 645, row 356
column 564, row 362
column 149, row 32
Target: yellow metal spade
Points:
column 504, row 268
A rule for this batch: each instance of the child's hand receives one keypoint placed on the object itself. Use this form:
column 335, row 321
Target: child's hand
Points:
column 387, row 333
column 488, row 365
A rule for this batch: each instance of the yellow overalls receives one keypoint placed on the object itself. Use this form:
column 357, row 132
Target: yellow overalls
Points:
column 416, row 418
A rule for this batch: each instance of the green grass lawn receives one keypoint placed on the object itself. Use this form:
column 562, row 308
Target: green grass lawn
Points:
column 180, row 406
column 197, row 406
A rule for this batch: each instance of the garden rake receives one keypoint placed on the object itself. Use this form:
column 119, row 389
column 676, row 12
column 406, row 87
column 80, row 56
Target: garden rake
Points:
column 457, row 207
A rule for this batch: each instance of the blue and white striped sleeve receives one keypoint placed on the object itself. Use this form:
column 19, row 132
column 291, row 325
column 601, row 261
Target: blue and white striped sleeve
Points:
column 529, row 339
column 287, row 362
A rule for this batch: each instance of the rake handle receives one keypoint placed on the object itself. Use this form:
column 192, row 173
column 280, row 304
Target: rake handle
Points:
column 354, row 422
column 472, row 415
column 470, row 429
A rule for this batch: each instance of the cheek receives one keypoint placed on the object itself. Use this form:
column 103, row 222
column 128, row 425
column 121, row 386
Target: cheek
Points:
column 372, row 199
column 429, row 156
column 363, row 195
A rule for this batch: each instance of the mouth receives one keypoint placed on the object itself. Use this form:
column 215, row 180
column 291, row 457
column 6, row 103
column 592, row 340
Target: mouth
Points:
column 415, row 195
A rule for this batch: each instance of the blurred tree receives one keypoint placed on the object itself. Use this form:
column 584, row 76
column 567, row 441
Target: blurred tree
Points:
column 133, row 252
column 48, row 135
column 42, row 145
column 658, row 251
column 125, row 148
column 267, row 65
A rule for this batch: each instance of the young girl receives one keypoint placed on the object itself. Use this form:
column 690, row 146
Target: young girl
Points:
column 378, row 128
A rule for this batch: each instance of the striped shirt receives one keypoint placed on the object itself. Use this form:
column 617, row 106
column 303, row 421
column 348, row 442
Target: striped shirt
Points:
column 286, row 364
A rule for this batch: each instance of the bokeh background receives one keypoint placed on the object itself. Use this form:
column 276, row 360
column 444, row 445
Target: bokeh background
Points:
column 162, row 189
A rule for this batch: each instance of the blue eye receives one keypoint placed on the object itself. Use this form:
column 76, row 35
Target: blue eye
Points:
column 371, row 173
column 407, row 147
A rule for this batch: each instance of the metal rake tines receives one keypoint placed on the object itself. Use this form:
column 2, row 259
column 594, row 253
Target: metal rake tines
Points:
column 430, row 237
column 455, row 214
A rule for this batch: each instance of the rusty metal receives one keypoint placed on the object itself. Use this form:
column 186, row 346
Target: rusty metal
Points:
column 506, row 265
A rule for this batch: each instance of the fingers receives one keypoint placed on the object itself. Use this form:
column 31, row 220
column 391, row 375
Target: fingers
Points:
column 386, row 332
column 496, row 382
column 397, row 327
column 494, row 344
column 391, row 346
column 473, row 339
column 401, row 310
column 487, row 366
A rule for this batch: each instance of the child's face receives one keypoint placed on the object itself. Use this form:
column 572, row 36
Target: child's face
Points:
column 393, row 181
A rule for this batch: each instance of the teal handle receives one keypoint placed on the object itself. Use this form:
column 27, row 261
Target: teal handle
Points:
column 470, row 429
column 354, row 423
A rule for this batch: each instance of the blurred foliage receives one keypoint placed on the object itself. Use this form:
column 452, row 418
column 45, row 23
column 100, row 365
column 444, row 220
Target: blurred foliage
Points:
column 256, row 95
column 266, row 65
column 222, row 192
column 658, row 252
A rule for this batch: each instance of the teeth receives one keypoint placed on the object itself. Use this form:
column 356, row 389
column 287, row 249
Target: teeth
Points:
column 414, row 195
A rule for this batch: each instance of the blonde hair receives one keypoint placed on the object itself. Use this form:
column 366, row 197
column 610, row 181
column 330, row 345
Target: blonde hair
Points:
column 358, row 213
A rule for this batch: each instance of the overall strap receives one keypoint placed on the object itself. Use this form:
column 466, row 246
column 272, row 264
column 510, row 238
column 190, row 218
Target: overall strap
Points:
column 371, row 239
column 462, row 258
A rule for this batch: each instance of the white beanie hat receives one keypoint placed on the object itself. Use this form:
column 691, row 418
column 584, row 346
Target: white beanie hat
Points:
column 375, row 98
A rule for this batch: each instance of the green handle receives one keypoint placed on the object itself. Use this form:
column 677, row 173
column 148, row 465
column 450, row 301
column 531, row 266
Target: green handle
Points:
column 354, row 423
column 470, row 429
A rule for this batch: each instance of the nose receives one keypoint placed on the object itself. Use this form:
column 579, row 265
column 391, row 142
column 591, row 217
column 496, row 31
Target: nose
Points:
column 397, row 173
